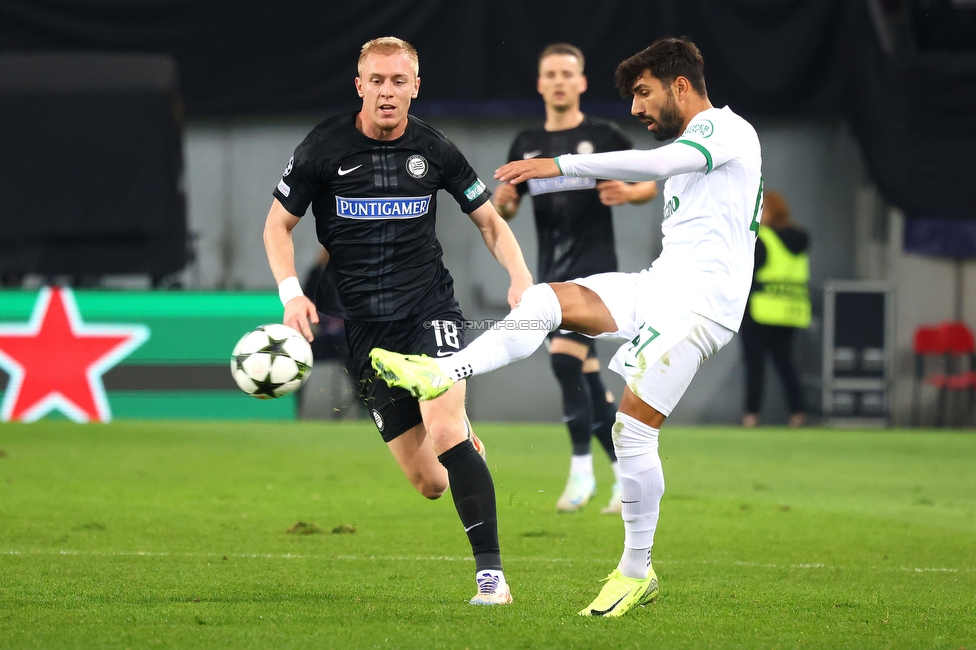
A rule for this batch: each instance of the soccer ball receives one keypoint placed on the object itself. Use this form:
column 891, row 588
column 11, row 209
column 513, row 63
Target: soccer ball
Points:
column 271, row 361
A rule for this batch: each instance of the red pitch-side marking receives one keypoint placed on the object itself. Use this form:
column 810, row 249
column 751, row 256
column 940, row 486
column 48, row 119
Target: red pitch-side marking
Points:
column 56, row 361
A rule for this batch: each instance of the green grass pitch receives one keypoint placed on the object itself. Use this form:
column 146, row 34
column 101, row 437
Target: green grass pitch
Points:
column 155, row 534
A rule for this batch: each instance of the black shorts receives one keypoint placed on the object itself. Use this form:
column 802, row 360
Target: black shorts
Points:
column 590, row 343
column 436, row 334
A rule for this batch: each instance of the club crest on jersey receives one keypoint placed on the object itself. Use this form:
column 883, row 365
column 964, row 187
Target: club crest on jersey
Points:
column 291, row 162
column 585, row 146
column 417, row 166
column 400, row 207
column 703, row 129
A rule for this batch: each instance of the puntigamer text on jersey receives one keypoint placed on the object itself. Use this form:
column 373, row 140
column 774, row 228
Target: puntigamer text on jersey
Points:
column 539, row 186
column 406, row 207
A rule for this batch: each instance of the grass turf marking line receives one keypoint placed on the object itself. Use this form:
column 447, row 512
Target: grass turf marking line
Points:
column 449, row 558
column 820, row 565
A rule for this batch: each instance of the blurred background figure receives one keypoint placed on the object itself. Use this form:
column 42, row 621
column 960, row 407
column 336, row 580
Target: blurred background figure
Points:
column 574, row 227
column 778, row 305
column 330, row 351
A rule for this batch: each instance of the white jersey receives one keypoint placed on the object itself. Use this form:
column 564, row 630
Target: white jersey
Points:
column 711, row 218
column 713, row 202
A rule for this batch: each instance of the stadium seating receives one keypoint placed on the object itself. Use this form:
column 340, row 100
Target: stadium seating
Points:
column 945, row 358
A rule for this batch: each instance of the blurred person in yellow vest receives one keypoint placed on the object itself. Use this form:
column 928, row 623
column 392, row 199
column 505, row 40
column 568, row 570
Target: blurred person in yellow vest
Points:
column 779, row 304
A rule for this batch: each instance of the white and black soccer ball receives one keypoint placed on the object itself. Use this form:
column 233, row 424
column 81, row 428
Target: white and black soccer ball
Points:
column 271, row 361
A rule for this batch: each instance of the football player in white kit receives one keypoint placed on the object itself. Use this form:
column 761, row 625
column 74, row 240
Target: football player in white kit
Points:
column 675, row 315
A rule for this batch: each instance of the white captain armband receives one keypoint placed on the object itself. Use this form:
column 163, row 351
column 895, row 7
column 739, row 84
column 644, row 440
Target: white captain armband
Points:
column 289, row 288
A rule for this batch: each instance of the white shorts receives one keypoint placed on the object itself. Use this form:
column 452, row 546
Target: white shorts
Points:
column 667, row 343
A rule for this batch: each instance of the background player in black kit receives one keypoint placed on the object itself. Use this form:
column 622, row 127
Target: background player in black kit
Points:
column 575, row 232
column 372, row 178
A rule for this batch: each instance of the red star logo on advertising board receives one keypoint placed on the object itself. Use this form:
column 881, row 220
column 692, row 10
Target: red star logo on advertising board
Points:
column 56, row 361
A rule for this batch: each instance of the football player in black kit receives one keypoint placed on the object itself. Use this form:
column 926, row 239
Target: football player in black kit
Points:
column 372, row 178
column 575, row 232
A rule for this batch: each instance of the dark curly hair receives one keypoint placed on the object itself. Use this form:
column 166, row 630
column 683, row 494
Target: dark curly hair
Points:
column 666, row 59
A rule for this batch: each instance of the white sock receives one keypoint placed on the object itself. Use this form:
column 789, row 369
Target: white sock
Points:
column 581, row 465
column 615, row 466
column 635, row 562
column 641, row 489
column 514, row 338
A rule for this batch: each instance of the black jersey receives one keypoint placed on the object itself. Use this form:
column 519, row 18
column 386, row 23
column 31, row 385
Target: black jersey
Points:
column 374, row 204
column 575, row 230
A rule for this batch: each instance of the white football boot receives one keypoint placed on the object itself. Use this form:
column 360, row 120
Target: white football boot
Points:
column 580, row 488
column 492, row 589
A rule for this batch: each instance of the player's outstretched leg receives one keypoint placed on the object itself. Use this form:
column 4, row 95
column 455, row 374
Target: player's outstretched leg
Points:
column 417, row 373
column 514, row 338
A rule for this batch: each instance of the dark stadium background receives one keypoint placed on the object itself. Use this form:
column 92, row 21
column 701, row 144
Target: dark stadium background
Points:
column 96, row 97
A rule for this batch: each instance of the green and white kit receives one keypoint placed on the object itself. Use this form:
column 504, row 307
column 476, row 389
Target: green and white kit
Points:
column 695, row 293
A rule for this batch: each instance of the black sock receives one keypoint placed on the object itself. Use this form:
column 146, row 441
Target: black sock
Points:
column 604, row 414
column 577, row 405
column 474, row 498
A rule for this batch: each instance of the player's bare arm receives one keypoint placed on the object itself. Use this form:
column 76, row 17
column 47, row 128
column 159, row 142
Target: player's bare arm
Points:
column 619, row 193
column 501, row 243
column 518, row 171
column 506, row 201
column 278, row 244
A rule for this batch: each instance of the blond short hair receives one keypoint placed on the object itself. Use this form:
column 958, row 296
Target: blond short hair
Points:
column 386, row 46
column 564, row 49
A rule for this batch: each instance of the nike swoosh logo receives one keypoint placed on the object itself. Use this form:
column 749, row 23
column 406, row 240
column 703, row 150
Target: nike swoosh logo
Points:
column 467, row 528
column 442, row 353
column 597, row 612
column 531, row 154
column 343, row 172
